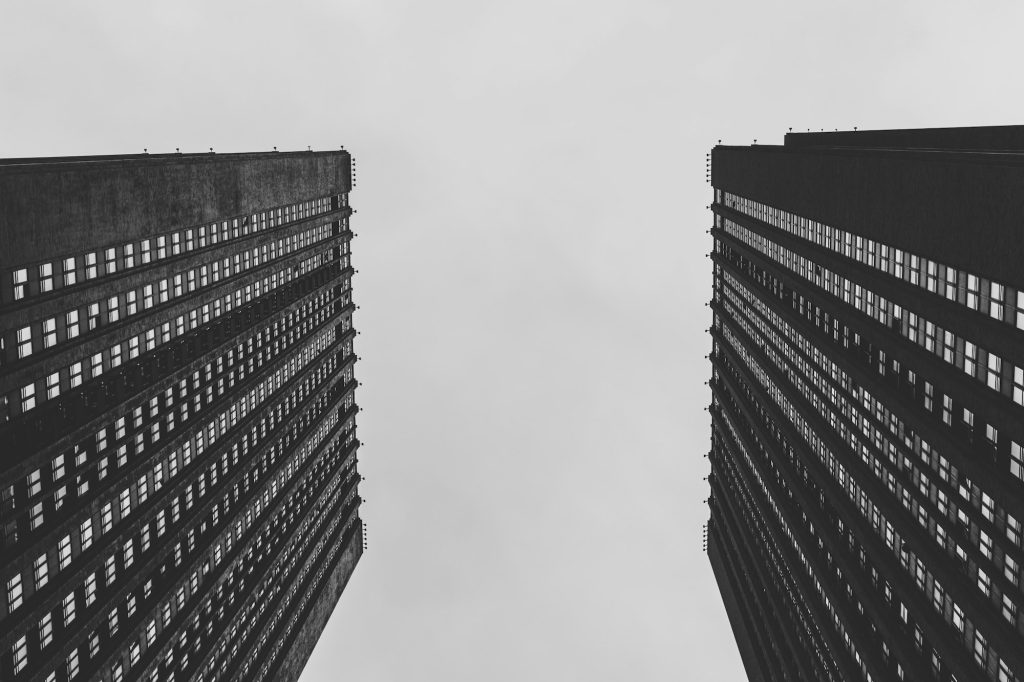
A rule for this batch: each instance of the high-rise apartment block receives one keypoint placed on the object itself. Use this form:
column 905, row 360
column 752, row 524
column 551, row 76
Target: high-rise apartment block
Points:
column 177, row 434
column 867, row 472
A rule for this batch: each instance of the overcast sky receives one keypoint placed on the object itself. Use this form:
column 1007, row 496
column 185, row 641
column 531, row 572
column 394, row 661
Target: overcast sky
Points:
column 532, row 274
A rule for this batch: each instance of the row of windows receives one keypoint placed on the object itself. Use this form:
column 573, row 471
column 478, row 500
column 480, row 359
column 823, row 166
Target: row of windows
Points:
column 69, row 378
column 281, row 582
column 125, row 440
column 65, row 272
column 120, row 503
column 876, row 418
column 67, row 326
column 196, row 489
column 874, row 457
column 999, row 301
column 129, row 435
column 974, row 360
column 237, row 583
column 860, row 499
column 840, row 621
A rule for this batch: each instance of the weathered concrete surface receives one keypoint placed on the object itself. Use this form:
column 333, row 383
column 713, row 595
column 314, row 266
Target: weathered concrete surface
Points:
column 295, row 660
column 52, row 207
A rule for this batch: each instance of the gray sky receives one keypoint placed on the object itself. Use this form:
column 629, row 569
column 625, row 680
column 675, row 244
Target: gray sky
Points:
column 532, row 273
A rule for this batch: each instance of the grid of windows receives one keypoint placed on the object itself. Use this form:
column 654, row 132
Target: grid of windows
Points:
column 193, row 238
column 208, row 507
column 962, row 519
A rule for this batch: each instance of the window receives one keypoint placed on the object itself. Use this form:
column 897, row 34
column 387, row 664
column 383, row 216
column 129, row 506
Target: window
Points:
column 64, row 552
column 19, row 279
column 96, row 365
column 110, row 256
column 19, row 654
column 76, row 374
column 145, row 251
column 1018, row 385
column 115, row 356
column 49, row 332
column 24, row 342
column 69, row 271
column 45, row 630
column 71, row 320
column 14, row 592
column 147, row 296
column 93, row 315
column 995, row 306
column 951, row 284
column 85, row 532
column 53, row 386
column 1017, row 460
column 113, row 313
column 106, row 517
column 129, row 255
column 130, row 299
column 125, row 502
column 46, row 277
column 161, row 247
column 41, row 571
column 973, row 291
column 995, row 366
column 73, row 664
column 90, row 589
column 129, row 555
column 90, row 265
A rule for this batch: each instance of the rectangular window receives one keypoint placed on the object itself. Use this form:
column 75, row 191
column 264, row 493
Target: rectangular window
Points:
column 53, row 386
column 85, row 533
column 19, row 654
column 995, row 366
column 93, row 315
column 19, row 278
column 129, row 255
column 45, row 277
column 24, row 342
column 64, row 552
column 14, row 593
column 130, row 299
column 28, row 397
column 69, row 271
column 90, row 265
column 113, row 313
column 110, row 256
column 49, row 332
column 973, row 291
column 71, row 324
column 995, row 305
column 45, row 630
column 41, row 571
column 145, row 251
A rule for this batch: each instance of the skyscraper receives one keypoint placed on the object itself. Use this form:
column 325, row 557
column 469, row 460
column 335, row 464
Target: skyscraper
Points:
column 177, row 418
column 868, row 404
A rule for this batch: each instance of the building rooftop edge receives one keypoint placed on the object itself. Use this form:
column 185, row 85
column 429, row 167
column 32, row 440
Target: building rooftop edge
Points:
column 56, row 162
column 976, row 138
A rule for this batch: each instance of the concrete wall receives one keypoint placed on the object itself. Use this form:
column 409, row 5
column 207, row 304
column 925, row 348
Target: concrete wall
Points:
column 318, row 615
column 964, row 210
column 50, row 208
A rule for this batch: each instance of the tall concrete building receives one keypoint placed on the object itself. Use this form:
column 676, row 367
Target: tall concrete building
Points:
column 868, row 404
column 177, row 419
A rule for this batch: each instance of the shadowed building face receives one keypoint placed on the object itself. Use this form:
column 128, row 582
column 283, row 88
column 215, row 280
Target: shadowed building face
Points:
column 177, row 418
column 868, row 404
